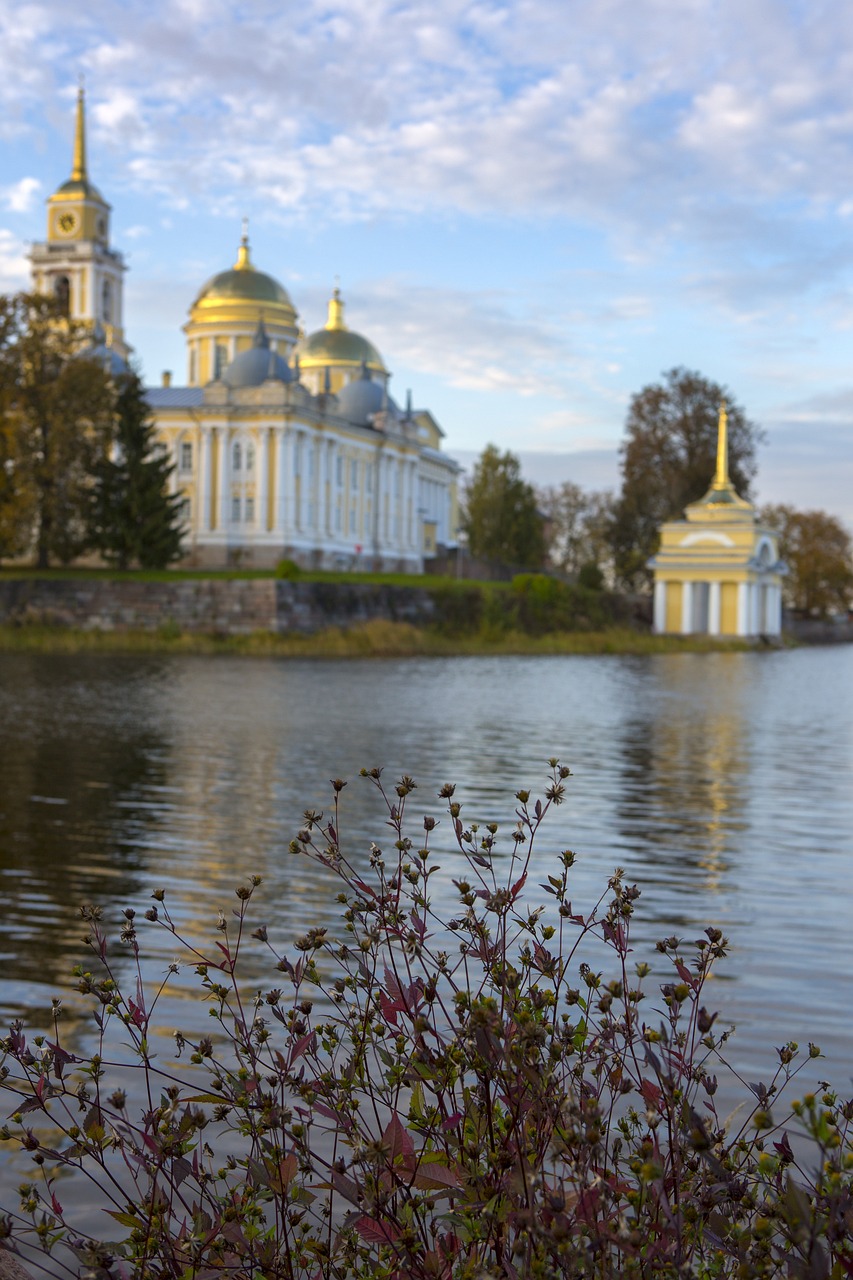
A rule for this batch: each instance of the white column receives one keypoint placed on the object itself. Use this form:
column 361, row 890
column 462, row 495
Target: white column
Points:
column 280, row 519
column 660, row 607
column 742, row 609
column 224, row 478
column 329, row 489
column 92, row 276
column 291, row 515
column 686, row 608
column 714, row 610
column 413, row 503
column 263, row 480
column 204, row 481
column 777, row 610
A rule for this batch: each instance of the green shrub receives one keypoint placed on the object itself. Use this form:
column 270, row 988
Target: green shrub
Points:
column 591, row 576
column 500, row 1091
column 288, row 569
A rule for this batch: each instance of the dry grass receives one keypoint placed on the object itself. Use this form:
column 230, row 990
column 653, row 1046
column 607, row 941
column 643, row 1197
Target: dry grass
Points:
column 374, row 639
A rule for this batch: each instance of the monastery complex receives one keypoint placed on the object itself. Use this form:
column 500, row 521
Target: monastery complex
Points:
column 284, row 444
column 289, row 445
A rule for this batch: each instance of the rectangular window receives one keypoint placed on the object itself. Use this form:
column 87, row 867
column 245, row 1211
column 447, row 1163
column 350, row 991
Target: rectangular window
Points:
column 250, row 511
column 338, row 520
column 235, row 510
column 340, row 469
column 185, row 511
column 352, row 520
column 186, row 456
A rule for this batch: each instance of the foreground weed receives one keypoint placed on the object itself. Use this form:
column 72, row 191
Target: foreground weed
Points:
column 419, row 1097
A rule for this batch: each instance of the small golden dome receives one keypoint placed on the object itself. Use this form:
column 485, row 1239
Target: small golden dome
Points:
column 337, row 346
column 243, row 283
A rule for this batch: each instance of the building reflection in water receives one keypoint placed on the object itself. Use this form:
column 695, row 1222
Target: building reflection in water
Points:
column 685, row 770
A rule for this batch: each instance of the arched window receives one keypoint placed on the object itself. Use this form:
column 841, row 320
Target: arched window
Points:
column 192, row 367
column 250, row 458
column 62, row 291
column 220, row 360
column 237, row 456
column 186, row 456
column 107, row 302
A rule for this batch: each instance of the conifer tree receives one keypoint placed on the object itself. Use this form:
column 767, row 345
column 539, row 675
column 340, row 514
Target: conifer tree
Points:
column 134, row 520
column 500, row 514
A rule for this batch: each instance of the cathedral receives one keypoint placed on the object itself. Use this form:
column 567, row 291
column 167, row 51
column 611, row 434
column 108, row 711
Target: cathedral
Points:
column 285, row 445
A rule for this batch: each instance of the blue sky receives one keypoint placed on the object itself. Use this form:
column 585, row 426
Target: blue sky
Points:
column 534, row 206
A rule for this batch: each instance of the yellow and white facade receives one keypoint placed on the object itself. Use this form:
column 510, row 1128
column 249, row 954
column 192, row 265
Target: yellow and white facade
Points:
column 285, row 445
column 717, row 571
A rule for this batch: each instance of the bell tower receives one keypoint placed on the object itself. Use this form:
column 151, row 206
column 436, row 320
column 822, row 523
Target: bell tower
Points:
column 75, row 263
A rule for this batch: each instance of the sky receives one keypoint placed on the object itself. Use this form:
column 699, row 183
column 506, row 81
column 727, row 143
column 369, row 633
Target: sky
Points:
column 533, row 207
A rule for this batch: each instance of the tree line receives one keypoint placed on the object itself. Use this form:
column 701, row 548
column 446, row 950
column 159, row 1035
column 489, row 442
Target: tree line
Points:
column 667, row 461
column 81, row 470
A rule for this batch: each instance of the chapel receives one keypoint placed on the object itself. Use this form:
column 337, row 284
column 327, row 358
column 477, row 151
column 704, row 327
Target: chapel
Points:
column 286, row 445
column 717, row 572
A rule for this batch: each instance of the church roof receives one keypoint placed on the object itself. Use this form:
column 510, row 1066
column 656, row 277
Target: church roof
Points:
column 174, row 397
column 336, row 345
column 242, row 282
column 257, row 365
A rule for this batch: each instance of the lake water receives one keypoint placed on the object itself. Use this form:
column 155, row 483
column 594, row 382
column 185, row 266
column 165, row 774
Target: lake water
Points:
column 723, row 783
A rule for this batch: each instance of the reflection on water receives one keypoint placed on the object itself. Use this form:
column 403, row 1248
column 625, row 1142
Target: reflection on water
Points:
column 721, row 782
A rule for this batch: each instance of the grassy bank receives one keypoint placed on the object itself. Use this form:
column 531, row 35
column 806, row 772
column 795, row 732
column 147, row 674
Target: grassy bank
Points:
column 376, row 639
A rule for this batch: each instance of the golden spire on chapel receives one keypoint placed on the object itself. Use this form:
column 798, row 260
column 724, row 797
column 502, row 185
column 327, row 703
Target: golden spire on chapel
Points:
column 722, row 493
column 721, row 479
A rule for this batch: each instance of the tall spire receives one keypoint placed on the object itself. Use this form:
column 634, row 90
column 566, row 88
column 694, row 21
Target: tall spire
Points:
column 78, row 168
column 721, row 479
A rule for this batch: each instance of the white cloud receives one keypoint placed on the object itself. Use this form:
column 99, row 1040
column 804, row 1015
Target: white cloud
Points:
column 472, row 340
column 14, row 268
column 20, row 196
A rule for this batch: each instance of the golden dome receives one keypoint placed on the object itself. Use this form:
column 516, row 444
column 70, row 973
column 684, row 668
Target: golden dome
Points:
column 241, row 288
column 336, row 346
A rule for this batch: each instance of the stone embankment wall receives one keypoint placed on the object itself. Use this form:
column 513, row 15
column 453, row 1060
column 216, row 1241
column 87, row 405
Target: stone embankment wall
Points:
column 813, row 631
column 225, row 606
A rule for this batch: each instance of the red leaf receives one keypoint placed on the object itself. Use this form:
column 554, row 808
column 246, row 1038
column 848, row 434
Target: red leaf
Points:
column 430, row 1175
column 392, row 986
column 390, row 1008
column 288, row 1169
column 376, row 1232
column 302, row 1044
column 651, row 1092
column 398, row 1140
column 517, row 887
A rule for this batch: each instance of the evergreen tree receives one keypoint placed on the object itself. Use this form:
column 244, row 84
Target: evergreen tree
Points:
column 134, row 520
column 501, row 516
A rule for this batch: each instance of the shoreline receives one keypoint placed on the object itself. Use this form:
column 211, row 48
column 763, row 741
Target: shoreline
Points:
column 374, row 639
